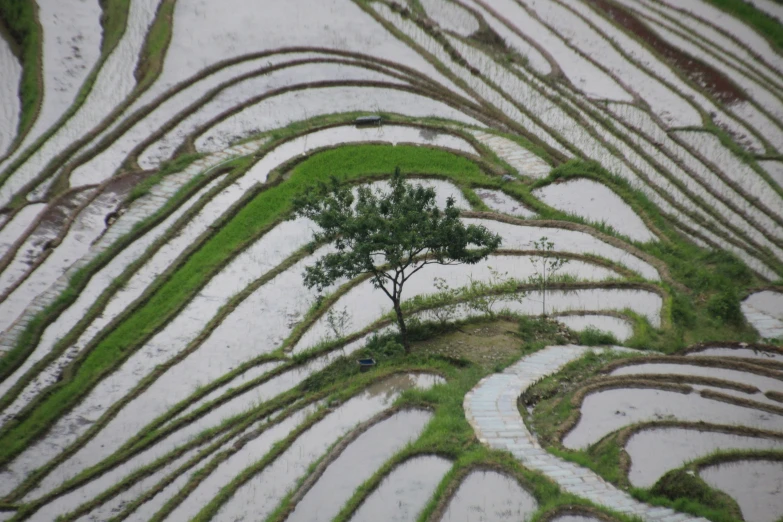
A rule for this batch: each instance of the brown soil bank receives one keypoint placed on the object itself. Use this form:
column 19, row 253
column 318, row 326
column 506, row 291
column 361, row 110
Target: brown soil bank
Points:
column 710, row 79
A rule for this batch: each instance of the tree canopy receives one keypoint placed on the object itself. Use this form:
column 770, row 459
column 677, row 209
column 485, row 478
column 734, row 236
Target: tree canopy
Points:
column 390, row 234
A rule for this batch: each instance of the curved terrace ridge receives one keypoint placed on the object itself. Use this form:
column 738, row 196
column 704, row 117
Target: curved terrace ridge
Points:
column 491, row 409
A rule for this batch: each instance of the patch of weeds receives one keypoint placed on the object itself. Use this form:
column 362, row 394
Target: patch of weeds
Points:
column 685, row 491
column 592, row 336
column 537, row 332
column 725, row 307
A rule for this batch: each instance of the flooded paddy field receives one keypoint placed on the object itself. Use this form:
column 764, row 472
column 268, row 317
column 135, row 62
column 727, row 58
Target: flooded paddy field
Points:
column 171, row 347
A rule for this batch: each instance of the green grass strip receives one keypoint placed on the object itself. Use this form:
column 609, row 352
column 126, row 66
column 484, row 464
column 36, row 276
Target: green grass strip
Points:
column 20, row 18
column 757, row 19
column 268, row 206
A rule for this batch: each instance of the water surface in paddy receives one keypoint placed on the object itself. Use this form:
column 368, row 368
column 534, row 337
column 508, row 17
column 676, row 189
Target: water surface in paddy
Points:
column 489, row 496
column 756, row 485
column 622, row 329
column 656, row 451
column 283, row 109
column 759, row 381
column 279, row 477
column 606, row 411
column 595, row 202
column 404, row 492
column 764, row 310
column 499, row 201
column 451, row 16
column 358, row 463
column 747, row 353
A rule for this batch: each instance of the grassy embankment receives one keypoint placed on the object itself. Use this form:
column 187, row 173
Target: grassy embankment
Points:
column 361, row 162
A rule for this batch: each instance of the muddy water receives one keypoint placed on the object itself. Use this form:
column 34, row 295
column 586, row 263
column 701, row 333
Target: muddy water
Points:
column 16, row 227
column 213, row 418
column 208, row 33
column 72, row 314
column 522, row 238
column 663, row 101
column 54, row 219
column 286, row 108
column 595, row 202
column 358, row 463
column 647, row 304
column 113, row 83
column 147, row 510
column 583, row 74
column 404, row 492
column 488, row 496
column 738, row 352
column 9, row 97
column 751, row 182
column 71, row 47
column 759, row 381
column 226, row 347
column 655, row 452
column 105, row 511
column 365, row 304
column 774, row 169
column 707, row 77
column 443, row 191
column 515, row 42
column 620, row 328
column 451, row 16
column 111, row 438
column 643, row 303
column 755, row 89
column 239, row 93
column 254, row 450
column 735, row 27
column 499, row 201
column 606, row 411
column 281, row 475
column 86, row 228
column 109, row 160
column 162, row 347
column 756, row 485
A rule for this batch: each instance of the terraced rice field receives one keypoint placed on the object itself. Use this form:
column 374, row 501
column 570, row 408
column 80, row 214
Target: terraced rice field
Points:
column 161, row 357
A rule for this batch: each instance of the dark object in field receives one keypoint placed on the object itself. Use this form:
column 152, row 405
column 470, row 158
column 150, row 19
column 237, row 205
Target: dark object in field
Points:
column 362, row 121
column 365, row 364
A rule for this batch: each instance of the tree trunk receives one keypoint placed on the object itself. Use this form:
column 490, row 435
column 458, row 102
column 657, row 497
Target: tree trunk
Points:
column 403, row 329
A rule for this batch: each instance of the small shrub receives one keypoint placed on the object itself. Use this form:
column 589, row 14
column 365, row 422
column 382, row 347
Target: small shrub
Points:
column 592, row 336
column 725, row 307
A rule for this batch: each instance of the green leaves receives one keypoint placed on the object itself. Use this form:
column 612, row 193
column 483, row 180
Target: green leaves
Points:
column 395, row 231
column 391, row 234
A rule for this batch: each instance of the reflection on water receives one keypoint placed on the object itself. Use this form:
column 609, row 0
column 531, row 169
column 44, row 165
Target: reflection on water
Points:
column 756, row 485
column 654, row 452
column 356, row 464
column 404, row 492
column 488, row 496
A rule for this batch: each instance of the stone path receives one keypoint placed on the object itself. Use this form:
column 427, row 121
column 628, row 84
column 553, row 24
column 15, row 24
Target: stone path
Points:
column 766, row 324
column 142, row 208
column 525, row 162
column 491, row 408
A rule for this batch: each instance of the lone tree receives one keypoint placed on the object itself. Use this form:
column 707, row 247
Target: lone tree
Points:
column 388, row 234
